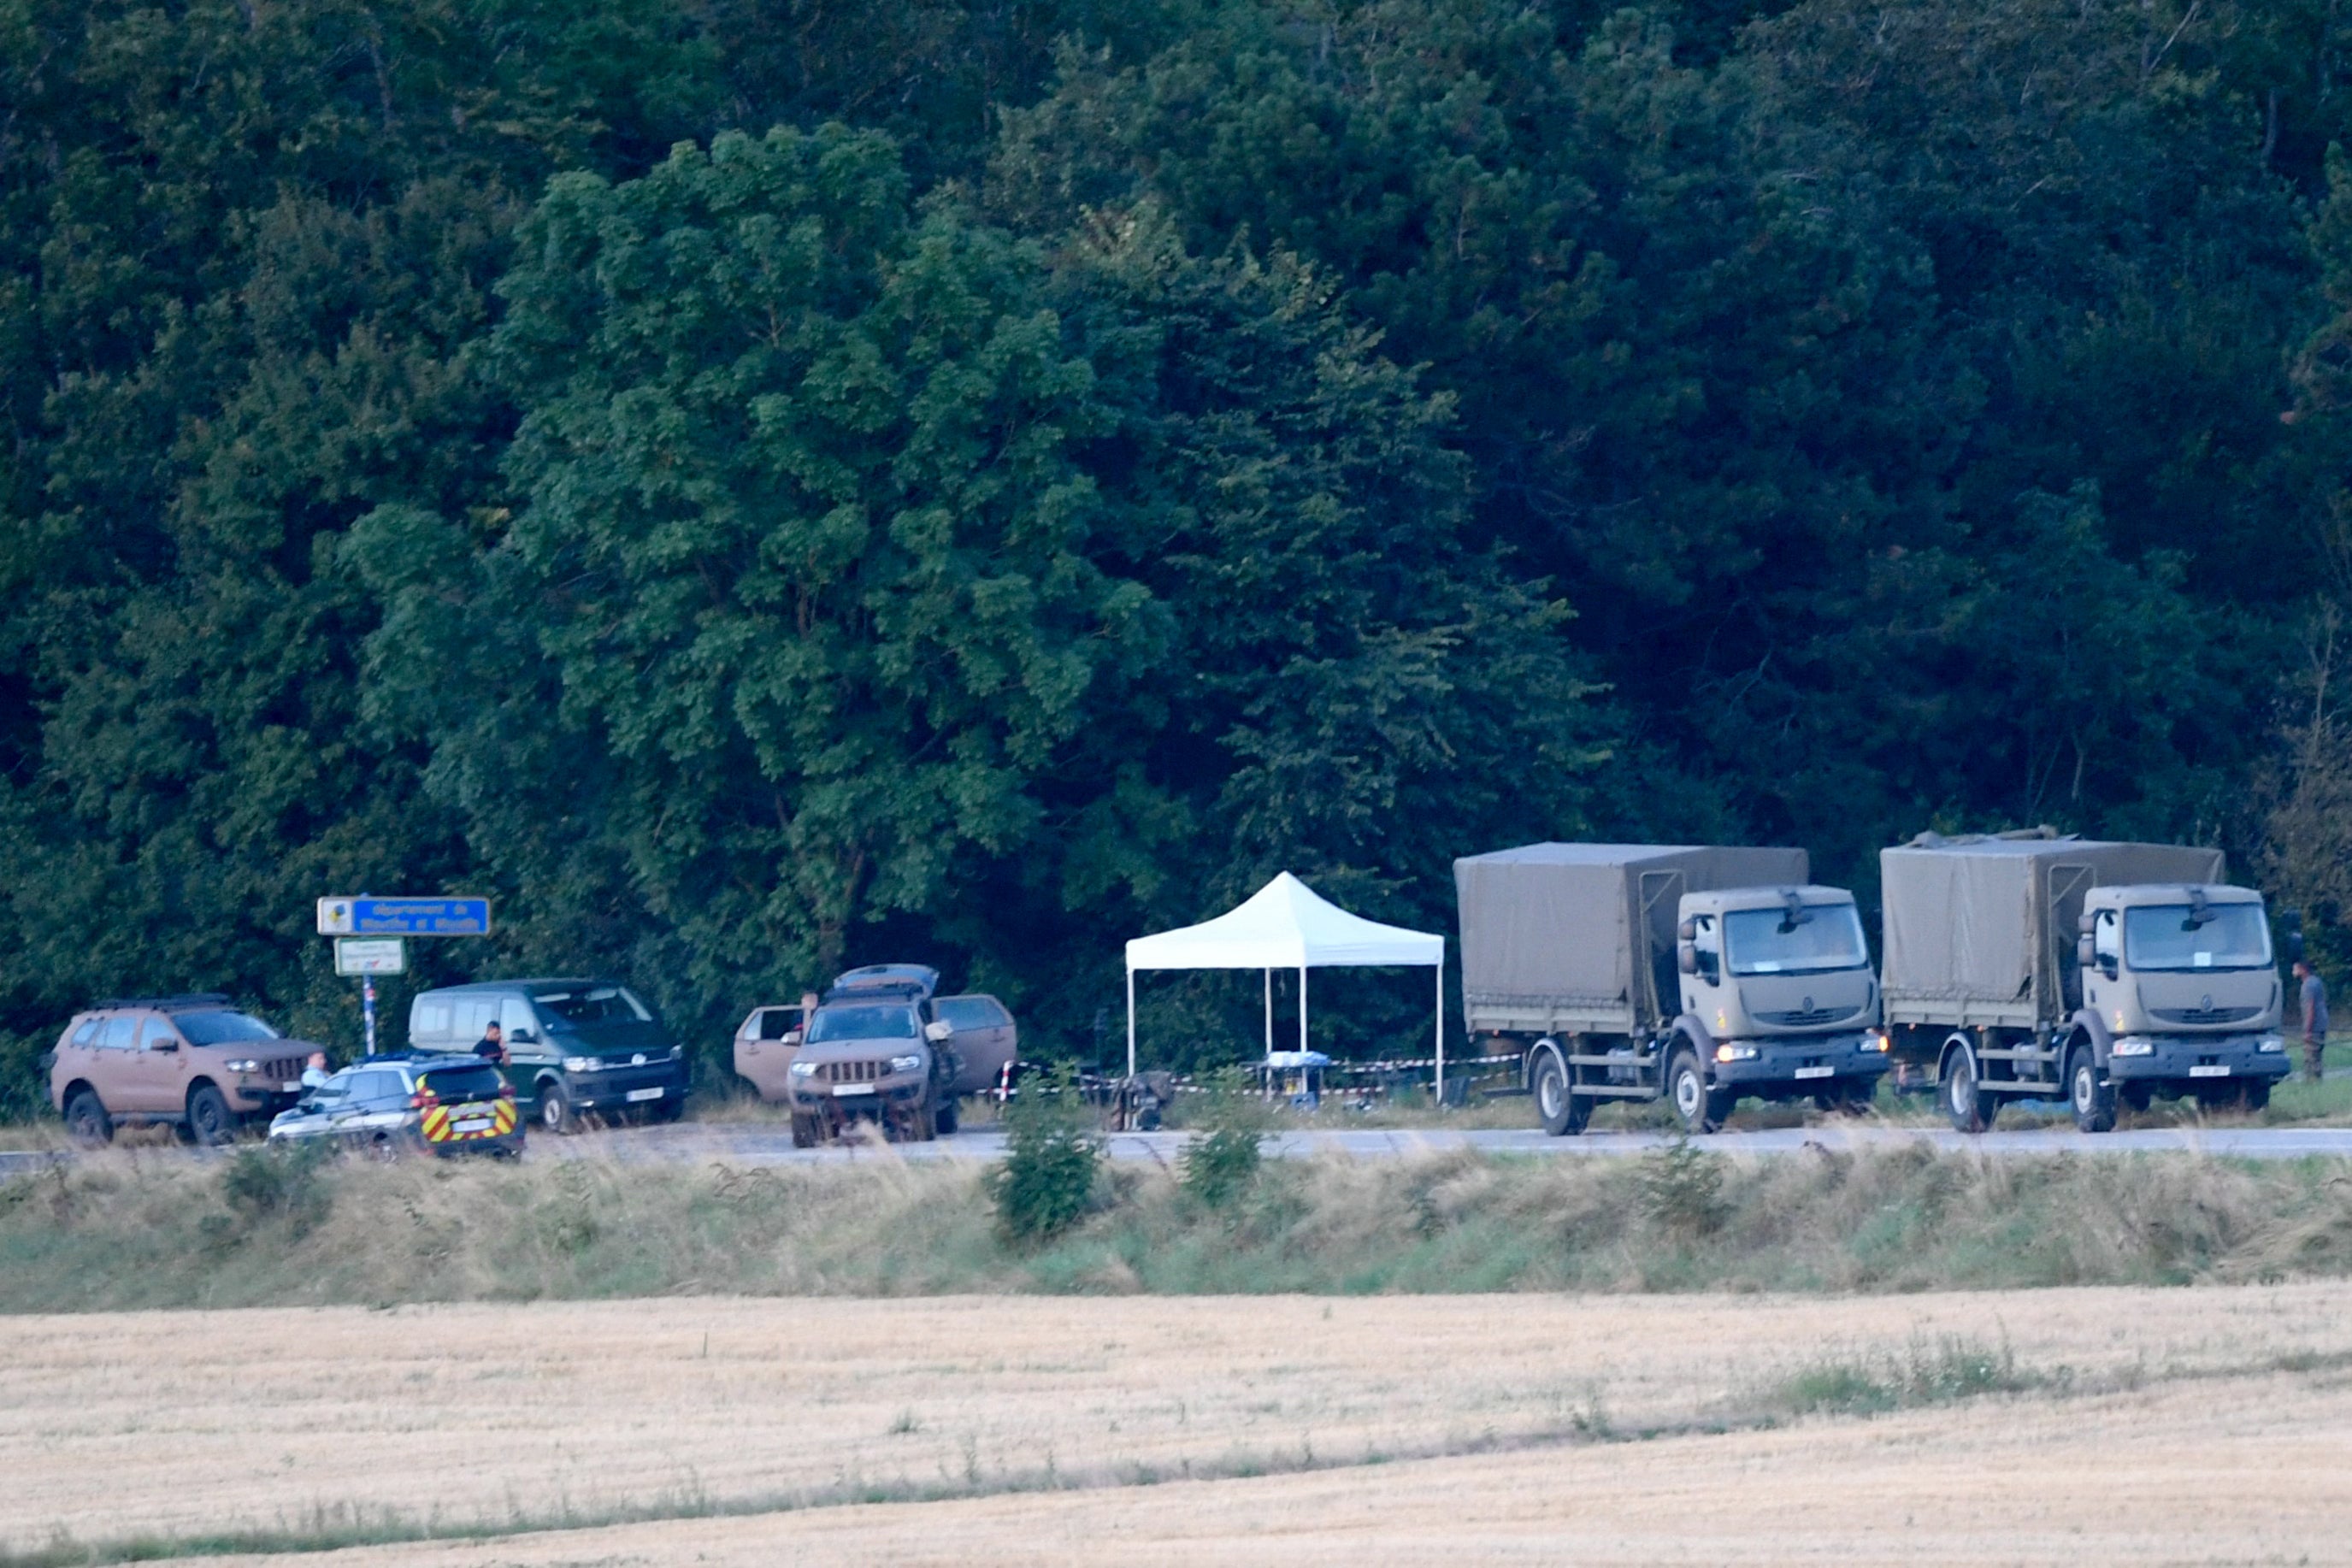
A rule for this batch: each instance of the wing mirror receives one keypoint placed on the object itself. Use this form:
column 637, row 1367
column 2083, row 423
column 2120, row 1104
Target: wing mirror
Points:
column 1688, row 931
column 2086, row 952
column 793, row 1037
column 938, row 1030
column 1686, row 955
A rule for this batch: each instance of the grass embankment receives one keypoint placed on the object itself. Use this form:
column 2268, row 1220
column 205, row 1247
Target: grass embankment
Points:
column 125, row 1231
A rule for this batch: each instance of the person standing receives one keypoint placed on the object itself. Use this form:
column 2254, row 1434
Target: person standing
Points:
column 314, row 1071
column 491, row 1048
column 2314, row 1018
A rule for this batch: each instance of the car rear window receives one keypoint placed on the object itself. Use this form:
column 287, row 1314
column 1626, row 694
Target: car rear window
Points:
column 465, row 1082
column 971, row 1012
column 223, row 1028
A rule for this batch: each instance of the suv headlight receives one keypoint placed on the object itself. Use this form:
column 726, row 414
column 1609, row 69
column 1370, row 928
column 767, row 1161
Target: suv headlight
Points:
column 2135, row 1047
column 243, row 1064
column 582, row 1064
column 906, row 1063
column 803, row 1069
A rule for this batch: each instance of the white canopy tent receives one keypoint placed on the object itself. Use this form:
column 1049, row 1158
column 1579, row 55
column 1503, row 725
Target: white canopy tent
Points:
column 1285, row 925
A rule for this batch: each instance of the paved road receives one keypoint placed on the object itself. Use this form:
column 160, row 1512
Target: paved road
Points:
column 756, row 1145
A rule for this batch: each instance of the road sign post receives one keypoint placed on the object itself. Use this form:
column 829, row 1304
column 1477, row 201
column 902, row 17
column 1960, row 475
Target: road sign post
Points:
column 369, row 933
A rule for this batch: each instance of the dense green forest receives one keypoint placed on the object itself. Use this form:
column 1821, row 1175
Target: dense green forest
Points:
column 757, row 484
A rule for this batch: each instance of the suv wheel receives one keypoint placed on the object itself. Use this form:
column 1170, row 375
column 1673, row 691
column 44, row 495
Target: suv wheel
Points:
column 209, row 1121
column 555, row 1113
column 87, row 1121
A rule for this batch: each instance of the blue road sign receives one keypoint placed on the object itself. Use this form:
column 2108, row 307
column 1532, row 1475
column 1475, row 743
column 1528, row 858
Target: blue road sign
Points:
column 404, row 917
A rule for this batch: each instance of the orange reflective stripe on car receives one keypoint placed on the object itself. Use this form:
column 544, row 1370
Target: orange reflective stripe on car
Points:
column 502, row 1120
column 437, row 1124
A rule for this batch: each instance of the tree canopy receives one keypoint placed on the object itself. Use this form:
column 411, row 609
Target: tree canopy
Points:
column 762, row 484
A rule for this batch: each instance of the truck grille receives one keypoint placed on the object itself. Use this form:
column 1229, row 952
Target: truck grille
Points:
column 1805, row 1020
column 2204, row 1015
column 851, row 1072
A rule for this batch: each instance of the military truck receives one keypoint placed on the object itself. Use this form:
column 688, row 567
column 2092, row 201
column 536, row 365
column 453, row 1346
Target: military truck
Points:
column 2033, row 966
column 1702, row 975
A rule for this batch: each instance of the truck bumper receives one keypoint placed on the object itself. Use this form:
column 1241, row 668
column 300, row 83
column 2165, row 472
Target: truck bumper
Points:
column 1801, row 1065
column 2195, row 1060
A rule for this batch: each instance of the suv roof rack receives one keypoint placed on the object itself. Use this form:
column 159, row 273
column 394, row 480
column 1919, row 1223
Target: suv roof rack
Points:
column 186, row 1002
column 883, row 980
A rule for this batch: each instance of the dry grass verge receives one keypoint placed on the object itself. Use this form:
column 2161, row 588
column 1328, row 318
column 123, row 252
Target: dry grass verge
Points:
column 132, row 1230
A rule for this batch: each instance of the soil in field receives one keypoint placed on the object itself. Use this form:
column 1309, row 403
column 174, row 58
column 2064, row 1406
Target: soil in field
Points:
column 2082, row 1427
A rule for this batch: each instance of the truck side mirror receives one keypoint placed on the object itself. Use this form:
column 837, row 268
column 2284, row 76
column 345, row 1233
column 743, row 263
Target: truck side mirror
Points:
column 1686, row 956
column 1688, row 931
column 2086, row 922
column 2085, row 951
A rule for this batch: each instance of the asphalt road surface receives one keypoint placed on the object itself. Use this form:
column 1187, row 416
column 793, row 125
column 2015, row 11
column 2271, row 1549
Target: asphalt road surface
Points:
column 763, row 1145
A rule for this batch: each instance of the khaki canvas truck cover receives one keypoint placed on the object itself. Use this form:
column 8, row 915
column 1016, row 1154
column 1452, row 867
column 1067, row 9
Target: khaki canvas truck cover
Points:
column 1568, row 937
column 1981, row 930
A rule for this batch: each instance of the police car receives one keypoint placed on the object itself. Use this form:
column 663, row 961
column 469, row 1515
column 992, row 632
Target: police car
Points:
column 392, row 1105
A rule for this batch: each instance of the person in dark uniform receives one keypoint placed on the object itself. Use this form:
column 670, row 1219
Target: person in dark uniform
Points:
column 2314, row 1018
column 492, row 1046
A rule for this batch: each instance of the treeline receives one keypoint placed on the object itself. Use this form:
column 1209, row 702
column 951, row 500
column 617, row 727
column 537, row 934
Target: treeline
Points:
column 758, row 485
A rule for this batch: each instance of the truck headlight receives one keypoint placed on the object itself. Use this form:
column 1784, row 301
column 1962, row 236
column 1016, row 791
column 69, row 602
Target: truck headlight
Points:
column 1877, row 1040
column 244, row 1064
column 1729, row 1052
column 582, row 1064
column 803, row 1069
column 2135, row 1047
column 677, row 1053
column 2270, row 1043
column 906, row 1063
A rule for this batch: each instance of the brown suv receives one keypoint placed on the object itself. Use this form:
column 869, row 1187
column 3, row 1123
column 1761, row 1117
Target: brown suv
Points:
column 194, row 1062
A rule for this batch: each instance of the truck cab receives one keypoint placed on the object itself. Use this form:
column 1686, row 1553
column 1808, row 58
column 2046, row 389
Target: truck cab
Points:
column 1778, row 995
column 2180, row 996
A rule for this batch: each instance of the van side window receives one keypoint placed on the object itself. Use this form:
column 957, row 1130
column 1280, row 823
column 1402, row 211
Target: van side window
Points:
column 475, row 1015
column 121, row 1033
column 431, row 1018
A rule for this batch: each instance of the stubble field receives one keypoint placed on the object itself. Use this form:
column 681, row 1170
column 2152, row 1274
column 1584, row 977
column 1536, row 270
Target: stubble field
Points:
column 2207, row 1425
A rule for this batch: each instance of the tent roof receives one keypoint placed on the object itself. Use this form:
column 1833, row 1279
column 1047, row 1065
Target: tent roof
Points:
column 1285, row 925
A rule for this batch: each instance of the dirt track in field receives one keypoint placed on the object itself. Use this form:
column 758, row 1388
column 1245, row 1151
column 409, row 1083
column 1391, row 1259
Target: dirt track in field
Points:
column 2157, row 1425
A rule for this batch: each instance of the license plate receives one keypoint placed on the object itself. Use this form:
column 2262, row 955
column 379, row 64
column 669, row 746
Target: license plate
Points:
column 1816, row 1072
column 2215, row 1071
column 637, row 1094
column 471, row 1124
column 842, row 1090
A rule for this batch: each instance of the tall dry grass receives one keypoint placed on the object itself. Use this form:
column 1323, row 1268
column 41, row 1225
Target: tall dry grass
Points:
column 137, row 1229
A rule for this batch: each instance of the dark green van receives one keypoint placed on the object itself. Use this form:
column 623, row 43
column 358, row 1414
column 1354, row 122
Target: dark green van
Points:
column 575, row 1049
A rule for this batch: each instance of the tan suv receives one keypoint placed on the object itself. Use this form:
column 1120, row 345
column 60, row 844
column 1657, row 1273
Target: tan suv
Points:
column 192, row 1062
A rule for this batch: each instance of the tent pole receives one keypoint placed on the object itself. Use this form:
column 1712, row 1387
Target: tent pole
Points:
column 1269, row 1012
column 1130, row 1023
column 1302, row 1006
column 1441, row 1025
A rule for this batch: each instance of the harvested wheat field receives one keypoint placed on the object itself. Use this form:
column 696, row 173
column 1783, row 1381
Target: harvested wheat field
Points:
column 2207, row 1425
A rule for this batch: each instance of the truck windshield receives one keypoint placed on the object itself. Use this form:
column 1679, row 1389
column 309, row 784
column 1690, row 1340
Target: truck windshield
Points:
column 862, row 1024
column 2164, row 936
column 1762, row 942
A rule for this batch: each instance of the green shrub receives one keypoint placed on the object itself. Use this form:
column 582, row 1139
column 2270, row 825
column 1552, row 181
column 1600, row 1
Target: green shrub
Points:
column 1682, row 1188
column 1221, row 1164
column 285, row 1182
column 1053, row 1162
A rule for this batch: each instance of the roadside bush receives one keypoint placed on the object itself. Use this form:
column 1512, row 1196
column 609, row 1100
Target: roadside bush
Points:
column 1220, row 1165
column 1682, row 1188
column 285, row 1182
column 1053, row 1162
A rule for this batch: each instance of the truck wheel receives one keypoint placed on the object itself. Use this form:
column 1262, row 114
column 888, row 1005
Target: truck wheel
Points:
column 1699, row 1109
column 1564, row 1114
column 209, row 1121
column 87, row 1121
column 1969, row 1110
column 804, row 1133
column 2093, row 1102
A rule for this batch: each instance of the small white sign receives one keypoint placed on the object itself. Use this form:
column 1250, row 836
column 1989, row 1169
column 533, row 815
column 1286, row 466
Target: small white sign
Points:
column 1816, row 1072
column 371, row 956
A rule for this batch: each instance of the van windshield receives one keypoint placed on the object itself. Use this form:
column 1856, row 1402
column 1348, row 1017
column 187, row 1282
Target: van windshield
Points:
column 2164, row 936
column 221, row 1028
column 1763, row 942
column 862, row 1024
column 592, row 1005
